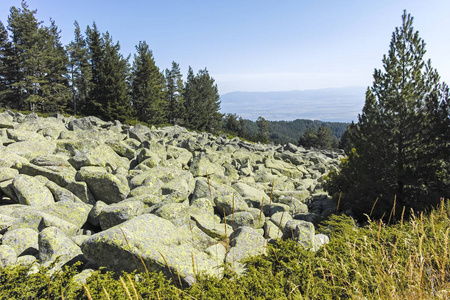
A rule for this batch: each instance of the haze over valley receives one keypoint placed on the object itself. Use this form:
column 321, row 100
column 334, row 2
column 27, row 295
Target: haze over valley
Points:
column 330, row 105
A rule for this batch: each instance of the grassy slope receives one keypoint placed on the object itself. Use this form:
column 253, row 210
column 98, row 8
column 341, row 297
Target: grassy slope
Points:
column 409, row 260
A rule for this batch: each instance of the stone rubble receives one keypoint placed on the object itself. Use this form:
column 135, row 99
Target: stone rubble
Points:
column 115, row 195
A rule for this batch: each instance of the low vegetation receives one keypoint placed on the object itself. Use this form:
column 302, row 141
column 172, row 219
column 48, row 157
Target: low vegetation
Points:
column 407, row 260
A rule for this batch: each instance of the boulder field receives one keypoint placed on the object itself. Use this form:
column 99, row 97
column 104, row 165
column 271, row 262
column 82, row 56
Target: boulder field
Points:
column 122, row 196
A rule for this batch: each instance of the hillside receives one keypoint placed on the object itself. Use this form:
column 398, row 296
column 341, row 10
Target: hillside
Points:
column 282, row 132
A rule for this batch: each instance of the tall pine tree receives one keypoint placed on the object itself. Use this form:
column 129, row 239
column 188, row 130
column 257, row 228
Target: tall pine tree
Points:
column 35, row 67
column 147, row 86
column 202, row 102
column 79, row 70
column 174, row 97
column 108, row 95
column 396, row 153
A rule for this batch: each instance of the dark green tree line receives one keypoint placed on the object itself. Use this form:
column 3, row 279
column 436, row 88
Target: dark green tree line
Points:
column 322, row 138
column 398, row 151
column 33, row 64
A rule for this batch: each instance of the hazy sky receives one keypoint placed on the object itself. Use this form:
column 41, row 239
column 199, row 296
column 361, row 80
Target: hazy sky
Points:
column 250, row 45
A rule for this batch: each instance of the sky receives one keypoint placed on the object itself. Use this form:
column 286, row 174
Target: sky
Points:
column 259, row 45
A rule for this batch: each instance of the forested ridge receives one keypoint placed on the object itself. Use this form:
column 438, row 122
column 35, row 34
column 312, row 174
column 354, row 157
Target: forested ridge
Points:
column 90, row 76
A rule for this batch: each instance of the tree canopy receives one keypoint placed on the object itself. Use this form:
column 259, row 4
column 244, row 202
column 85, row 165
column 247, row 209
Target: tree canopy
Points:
column 397, row 152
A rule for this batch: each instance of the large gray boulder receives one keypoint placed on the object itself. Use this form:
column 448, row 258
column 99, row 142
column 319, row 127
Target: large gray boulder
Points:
column 23, row 240
column 8, row 256
column 55, row 245
column 38, row 221
column 300, row 231
column 118, row 213
column 229, row 203
column 157, row 241
column 31, row 149
column 247, row 191
column 72, row 212
column 245, row 242
column 31, row 191
column 103, row 185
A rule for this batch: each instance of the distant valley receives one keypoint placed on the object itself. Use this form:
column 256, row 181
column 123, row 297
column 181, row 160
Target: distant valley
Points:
column 330, row 105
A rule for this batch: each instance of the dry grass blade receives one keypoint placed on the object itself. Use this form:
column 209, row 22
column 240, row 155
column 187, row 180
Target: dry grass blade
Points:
column 133, row 287
column 179, row 279
column 125, row 288
column 106, row 293
column 232, row 209
column 281, row 221
column 86, row 290
column 373, row 207
column 339, row 202
column 261, row 208
column 168, row 267
column 271, row 191
column 209, row 185
column 193, row 264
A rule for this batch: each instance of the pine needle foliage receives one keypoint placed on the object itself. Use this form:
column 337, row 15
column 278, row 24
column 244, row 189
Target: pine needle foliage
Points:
column 397, row 152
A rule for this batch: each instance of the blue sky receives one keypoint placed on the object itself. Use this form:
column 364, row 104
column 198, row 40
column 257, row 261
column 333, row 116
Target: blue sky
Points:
column 259, row 45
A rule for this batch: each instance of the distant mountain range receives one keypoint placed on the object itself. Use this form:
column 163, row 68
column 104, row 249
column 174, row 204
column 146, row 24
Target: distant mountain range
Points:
column 330, row 105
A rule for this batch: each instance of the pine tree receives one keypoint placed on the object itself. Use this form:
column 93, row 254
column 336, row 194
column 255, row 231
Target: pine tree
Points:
column 147, row 86
column 34, row 63
column 114, row 83
column 174, row 97
column 322, row 138
column 5, row 47
column 263, row 130
column 54, row 90
column 399, row 145
column 108, row 96
column 25, row 57
column 202, row 102
column 79, row 70
column 96, row 55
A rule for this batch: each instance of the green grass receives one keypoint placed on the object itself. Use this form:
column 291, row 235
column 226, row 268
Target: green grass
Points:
column 408, row 260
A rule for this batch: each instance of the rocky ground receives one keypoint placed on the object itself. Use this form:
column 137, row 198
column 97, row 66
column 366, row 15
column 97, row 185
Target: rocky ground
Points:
column 118, row 196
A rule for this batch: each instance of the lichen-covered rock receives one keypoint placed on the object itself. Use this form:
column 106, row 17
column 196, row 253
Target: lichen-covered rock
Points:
column 55, row 245
column 38, row 220
column 72, row 212
column 5, row 222
column 177, row 213
column 180, row 155
column 300, row 231
column 61, row 194
column 242, row 218
column 272, row 231
column 156, row 240
column 122, row 148
column 23, row 240
column 281, row 218
column 60, row 175
column 247, row 191
column 118, row 213
column 229, row 203
column 103, row 185
column 245, row 241
column 177, row 190
column 31, row 149
column 201, row 165
column 8, row 256
column 7, row 174
column 81, row 190
column 31, row 191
